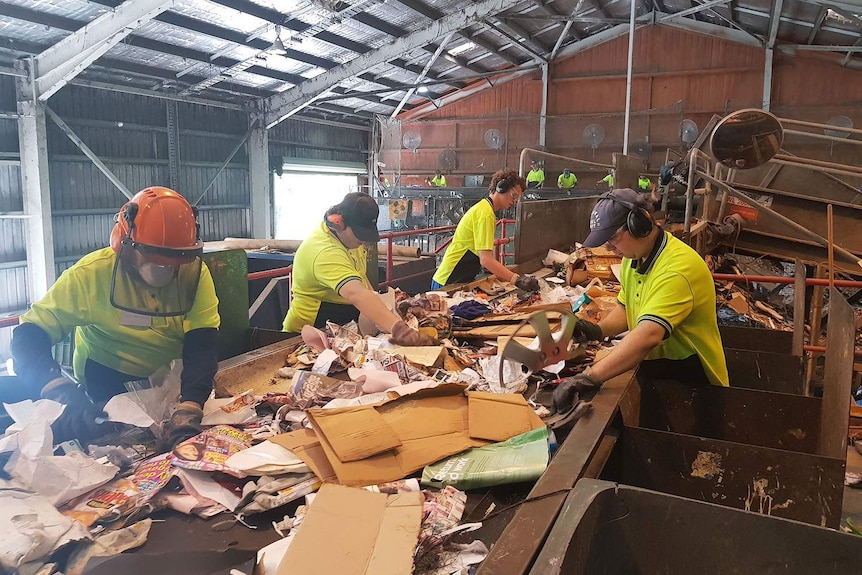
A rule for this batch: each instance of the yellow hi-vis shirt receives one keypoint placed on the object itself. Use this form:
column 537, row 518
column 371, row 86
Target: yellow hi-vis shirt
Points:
column 129, row 343
column 674, row 289
column 321, row 267
column 536, row 176
column 567, row 183
column 643, row 184
column 475, row 232
column 609, row 180
column 440, row 181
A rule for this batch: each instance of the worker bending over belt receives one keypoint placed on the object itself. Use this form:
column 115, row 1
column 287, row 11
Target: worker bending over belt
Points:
column 329, row 279
column 472, row 246
column 666, row 301
column 135, row 306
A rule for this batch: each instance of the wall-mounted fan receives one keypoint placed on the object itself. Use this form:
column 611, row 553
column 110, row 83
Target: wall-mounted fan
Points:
column 688, row 132
column 641, row 148
column 838, row 122
column 494, row 139
column 411, row 141
column 594, row 135
column 446, row 159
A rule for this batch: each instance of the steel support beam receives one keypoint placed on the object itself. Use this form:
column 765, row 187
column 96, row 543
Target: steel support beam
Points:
column 821, row 16
column 692, row 10
column 38, row 229
column 260, row 180
column 287, row 103
column 230, row 156
column 421, row 77
column 714, row 30
column 57, row 65
column 530, row 47
column 774, row 21
column 88, row 152
column 543, row 115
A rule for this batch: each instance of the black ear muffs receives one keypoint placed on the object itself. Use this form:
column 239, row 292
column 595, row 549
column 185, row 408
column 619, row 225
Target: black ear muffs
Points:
column 130, row 212
column 502, row 186
column 639, row 222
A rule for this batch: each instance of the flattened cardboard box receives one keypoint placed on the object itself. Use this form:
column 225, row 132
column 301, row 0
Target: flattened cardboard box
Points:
column 500, row 416
column 431, row 424
column 350, row 531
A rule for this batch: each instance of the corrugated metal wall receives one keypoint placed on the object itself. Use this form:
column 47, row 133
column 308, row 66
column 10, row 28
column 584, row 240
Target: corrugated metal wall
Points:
column 677, row 75
column 129, row 133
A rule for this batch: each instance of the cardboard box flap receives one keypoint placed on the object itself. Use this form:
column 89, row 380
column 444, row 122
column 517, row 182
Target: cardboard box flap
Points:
column 355, row 433
column 356, row 532
column 500, row 416
column 305, row 445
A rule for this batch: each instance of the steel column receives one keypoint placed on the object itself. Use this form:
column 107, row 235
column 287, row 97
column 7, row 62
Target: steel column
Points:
column 543, row 116
column 39, row 231
column 260, row 181
column 629, row 78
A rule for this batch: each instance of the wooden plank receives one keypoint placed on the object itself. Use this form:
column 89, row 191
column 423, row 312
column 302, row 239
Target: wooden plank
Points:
column 798, row 308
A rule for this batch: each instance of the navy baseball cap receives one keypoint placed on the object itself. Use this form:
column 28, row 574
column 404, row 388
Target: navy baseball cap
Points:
column 360, row 212
column 610, row 213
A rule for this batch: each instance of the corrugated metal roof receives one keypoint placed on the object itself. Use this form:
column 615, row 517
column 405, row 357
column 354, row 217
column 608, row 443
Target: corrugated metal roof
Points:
column 237, row 30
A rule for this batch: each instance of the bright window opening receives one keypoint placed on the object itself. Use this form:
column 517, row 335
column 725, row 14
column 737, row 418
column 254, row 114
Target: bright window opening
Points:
column 301, row 199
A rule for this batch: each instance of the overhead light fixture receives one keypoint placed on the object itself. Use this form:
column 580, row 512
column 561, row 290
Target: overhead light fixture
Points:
column 462, row 48
column 421, row 89
column 277, row 47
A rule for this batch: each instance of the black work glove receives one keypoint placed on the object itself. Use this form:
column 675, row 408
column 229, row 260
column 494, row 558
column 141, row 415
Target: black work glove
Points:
column 574, row 389
column 404, row 335
column 527, row 283
column 184, row 424
column 586, row 331
column 81, row 419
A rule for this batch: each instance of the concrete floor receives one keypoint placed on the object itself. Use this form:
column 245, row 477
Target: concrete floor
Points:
column 852, row 502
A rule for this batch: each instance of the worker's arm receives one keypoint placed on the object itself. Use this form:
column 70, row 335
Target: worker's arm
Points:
column 486, row 258
column 368, row 304
column 615, row 322
column 631, row 350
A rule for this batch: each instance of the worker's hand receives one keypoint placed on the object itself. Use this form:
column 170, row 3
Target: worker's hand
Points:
column 527, row 283
column 81, row 419
column 573, row 389
column 586, row 331
column 404, row 335
column 184, row 424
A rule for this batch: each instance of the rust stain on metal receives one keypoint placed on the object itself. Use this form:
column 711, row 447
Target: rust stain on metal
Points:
column 706, row 465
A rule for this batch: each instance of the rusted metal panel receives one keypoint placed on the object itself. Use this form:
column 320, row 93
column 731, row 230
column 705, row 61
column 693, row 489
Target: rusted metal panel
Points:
column 521, row 95
column 765, row 371
column 776, row 482
column 767, row 419
column 840, row 338
column 755, row 339
column 546, row 224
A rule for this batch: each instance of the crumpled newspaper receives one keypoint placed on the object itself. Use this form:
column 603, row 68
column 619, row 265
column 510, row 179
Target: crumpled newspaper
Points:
column 32, row 528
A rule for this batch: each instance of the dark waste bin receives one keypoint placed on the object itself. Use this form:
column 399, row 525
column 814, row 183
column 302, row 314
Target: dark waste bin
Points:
column 610, row 529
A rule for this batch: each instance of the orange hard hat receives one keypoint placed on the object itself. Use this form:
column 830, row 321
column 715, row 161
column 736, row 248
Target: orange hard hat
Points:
column 161, row 224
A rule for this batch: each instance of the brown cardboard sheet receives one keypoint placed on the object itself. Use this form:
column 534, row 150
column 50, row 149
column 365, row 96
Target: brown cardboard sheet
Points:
column 356, row 532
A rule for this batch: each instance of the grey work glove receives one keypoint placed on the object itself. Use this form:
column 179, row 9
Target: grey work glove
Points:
column 586, row 331
column 184, row 424
column 404, row 335
column 527, row 283
column 81, row 419
column 574, row 389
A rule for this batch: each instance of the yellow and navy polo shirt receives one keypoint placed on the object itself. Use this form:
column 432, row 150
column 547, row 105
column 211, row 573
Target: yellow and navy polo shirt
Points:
column 475, row 232
column 673, row 288
column 567, row 183
column 321, row 267
column 537, row 176
column 128, row 343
